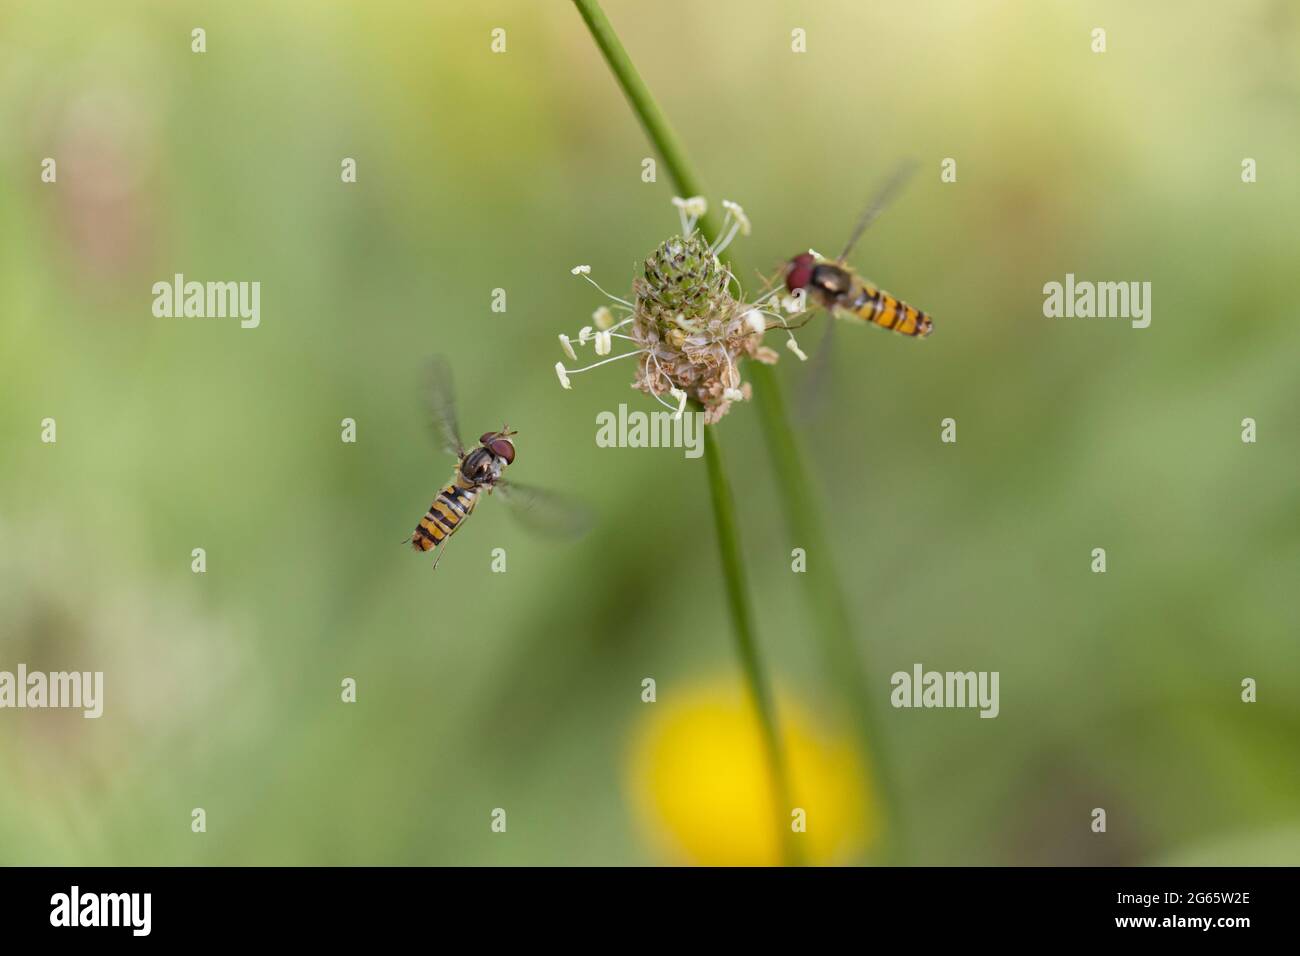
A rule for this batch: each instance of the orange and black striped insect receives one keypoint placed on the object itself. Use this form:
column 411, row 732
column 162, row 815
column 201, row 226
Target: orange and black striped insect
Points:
column 478, row 471
column 838, row 289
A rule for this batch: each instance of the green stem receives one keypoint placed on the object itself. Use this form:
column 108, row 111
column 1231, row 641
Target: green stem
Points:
column 826, row 603
column 742, row 619
column 724, row 513
column 643, row 104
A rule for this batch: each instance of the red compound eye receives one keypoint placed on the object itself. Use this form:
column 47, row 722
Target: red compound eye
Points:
column 503, row 448
column 799, row 273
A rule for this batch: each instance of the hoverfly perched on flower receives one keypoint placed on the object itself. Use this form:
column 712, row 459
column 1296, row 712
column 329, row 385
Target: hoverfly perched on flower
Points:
column 838, row 289
column 479, row 471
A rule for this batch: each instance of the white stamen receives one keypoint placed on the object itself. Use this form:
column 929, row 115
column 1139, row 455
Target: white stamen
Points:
column 689, row 210
column 568, row 349
column 678, row 394
column 733, row 395
column 603, row 318
column 739, row 224
column 654, row 360
column 682, row 218
column 580, row 270
column 793, row 346
column 731, row 277
column 731, row 377
column 609, row 295
column 603, row 343
column 561, row 375
column 754, row 319
column 726, row 240
column 695, row 206
column 584, row 333
column 659, row 369
column 741, row 219
column 587, row 368
column 666, row 404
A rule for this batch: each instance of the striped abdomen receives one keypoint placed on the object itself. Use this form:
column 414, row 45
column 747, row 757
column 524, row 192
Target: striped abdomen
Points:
column 452, row 506
column 877, row 306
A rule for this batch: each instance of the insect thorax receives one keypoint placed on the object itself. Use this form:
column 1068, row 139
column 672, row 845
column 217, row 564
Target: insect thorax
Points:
column 831, row 283
column 479, row 469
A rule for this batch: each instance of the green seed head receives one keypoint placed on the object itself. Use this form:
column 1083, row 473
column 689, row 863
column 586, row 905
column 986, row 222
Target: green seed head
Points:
column 682, row 278
column 687, row 331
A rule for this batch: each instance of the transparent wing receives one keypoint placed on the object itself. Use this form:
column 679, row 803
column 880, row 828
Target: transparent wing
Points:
column 879, row 203
column 818, row 383
column 440, row 390
column 546, row 513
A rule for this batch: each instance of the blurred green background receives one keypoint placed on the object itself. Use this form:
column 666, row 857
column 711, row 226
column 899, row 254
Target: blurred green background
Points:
column 521, row 690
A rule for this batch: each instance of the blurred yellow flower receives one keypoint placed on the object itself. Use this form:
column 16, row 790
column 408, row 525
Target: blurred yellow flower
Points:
column 699, row 782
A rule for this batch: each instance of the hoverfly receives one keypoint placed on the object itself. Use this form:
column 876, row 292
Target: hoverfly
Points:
column 478, row 471
column 839, row 290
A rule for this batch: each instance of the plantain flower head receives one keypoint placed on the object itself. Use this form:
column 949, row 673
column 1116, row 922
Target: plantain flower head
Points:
column 686, row 321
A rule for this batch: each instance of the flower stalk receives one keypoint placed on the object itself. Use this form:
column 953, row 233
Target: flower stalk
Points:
column 688, row 323
column 826, row 603
column 742, row 617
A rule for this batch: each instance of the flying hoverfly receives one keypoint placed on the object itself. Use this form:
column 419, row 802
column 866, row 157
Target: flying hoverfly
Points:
column 838, row 289
column 479, row 471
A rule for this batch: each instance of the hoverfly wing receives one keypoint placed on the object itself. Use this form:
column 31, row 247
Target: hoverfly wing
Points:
column 879, row 203
column 546, row 513
column 818, row 382
column 440, row 390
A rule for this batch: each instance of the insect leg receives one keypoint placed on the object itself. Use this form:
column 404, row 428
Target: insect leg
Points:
column 767, row 283
column 441, row 548
column 807, row 316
